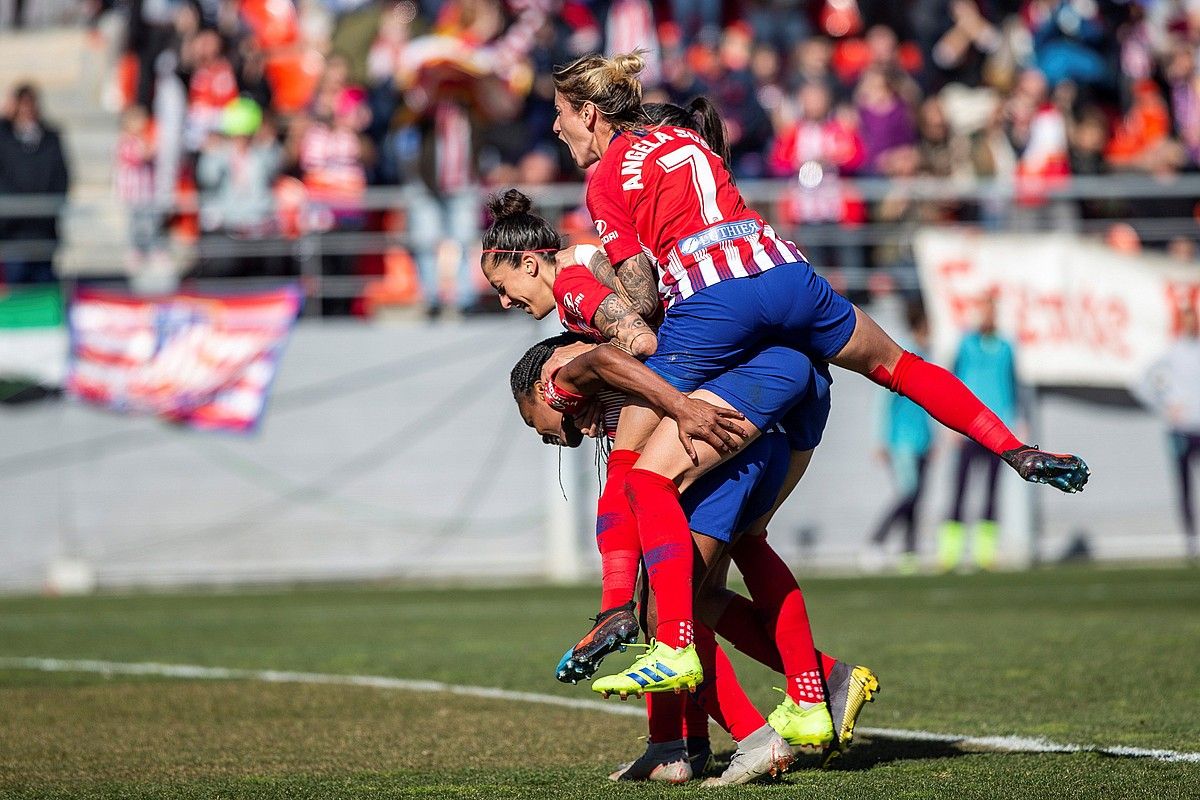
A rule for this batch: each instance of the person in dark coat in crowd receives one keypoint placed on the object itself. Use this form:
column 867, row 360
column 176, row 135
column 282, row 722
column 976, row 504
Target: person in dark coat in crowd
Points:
column 31, row 163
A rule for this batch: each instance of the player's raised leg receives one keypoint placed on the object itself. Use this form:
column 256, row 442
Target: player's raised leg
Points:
column 873, row 353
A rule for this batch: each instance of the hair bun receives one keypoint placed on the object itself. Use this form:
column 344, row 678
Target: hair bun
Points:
column 510, row 204
column 627, row 66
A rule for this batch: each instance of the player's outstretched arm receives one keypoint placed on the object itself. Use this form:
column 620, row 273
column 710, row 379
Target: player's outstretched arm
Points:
column 611, row 367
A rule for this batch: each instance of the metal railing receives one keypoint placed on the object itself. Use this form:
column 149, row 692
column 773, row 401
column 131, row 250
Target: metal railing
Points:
column 93, row 235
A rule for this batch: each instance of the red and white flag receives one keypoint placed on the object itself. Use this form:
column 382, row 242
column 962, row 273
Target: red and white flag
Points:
column 200, row 360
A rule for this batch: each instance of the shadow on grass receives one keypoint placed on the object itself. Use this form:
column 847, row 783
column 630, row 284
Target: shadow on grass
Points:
column 867, row 753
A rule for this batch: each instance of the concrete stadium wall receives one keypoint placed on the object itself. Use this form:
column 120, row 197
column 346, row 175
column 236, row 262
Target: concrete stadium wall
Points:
column 396, row 452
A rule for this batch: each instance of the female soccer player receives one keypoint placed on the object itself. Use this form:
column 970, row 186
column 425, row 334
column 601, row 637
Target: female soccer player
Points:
column 661, row 198
column 516, row 254
column 738, row 496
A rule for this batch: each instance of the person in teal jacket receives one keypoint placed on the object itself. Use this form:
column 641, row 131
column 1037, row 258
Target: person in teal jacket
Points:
column 986, row 363
column 905, row 442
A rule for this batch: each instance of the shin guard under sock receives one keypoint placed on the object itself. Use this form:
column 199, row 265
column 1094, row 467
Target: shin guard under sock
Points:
column 617, row 534
column 667, row 551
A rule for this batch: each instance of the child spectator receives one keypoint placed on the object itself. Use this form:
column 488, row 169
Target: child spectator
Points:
column 134, row 178
column 211, row 87
column 236, row 172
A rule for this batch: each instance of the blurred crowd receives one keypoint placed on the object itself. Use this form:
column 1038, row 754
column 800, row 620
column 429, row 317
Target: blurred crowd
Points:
column 282, row 113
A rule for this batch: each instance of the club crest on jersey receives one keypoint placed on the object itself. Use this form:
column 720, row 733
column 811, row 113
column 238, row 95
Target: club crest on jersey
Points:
column 717, row 235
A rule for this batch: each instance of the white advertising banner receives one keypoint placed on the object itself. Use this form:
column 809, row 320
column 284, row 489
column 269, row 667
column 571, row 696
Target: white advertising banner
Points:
column 1079, row 313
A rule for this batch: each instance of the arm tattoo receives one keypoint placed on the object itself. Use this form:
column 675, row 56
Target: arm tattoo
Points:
column 638, row 285
column 617, row 321
column 603, row 271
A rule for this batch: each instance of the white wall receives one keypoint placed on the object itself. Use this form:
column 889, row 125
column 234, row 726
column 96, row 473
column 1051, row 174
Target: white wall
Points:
column 397, row 452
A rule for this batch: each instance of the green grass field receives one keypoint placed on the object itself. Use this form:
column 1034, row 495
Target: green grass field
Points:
column 1085, row 656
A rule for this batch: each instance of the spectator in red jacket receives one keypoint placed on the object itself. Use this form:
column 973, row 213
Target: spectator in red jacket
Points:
column 815, row 151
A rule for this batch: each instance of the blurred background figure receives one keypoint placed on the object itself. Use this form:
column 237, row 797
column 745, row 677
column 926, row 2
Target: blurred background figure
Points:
column 235, row 173
column 444, row 206
column 211, row 87
column 1172, row 388
column 32, row 163
column 986, row 363
column 905, row 446
column 459, row 102
column 814, row 152
column 697, row 19
column 134, row 178
column 332, row 153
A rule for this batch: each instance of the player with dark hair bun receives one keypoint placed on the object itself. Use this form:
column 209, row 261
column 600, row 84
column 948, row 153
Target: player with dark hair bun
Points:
column 515, row 229
column 525, row 262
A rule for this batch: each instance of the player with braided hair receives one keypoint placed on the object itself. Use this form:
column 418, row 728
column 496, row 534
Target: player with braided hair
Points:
column 738, row 496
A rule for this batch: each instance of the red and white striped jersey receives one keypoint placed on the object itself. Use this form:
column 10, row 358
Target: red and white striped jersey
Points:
column 664, row 192
column 133, row 177
column 611, row 402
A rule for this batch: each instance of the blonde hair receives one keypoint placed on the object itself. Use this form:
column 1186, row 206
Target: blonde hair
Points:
column 611, row 84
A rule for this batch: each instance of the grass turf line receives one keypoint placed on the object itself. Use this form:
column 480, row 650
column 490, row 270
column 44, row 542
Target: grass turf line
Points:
column 1085, row 656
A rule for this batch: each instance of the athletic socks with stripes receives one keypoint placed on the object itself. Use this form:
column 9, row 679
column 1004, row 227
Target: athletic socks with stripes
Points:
column 777, row 594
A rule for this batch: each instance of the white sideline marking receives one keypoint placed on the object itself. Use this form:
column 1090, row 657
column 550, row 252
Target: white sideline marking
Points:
column 1004, row 744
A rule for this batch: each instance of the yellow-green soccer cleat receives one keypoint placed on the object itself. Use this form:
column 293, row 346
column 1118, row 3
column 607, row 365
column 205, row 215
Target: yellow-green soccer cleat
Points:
column 661, row 669
column 850, row 688
column 808, row 730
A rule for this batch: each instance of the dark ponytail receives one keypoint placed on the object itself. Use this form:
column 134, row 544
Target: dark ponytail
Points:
column 700, row 116
column 515, row 228
column 711, row 127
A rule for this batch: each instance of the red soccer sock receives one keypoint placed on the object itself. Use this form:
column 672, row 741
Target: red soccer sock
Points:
column 617, row 534
column 667, row 550
column 664, row 714
column 947, row 400
column 776, row 592
column 742, row 625
column 695, row 719
column 721, row 695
